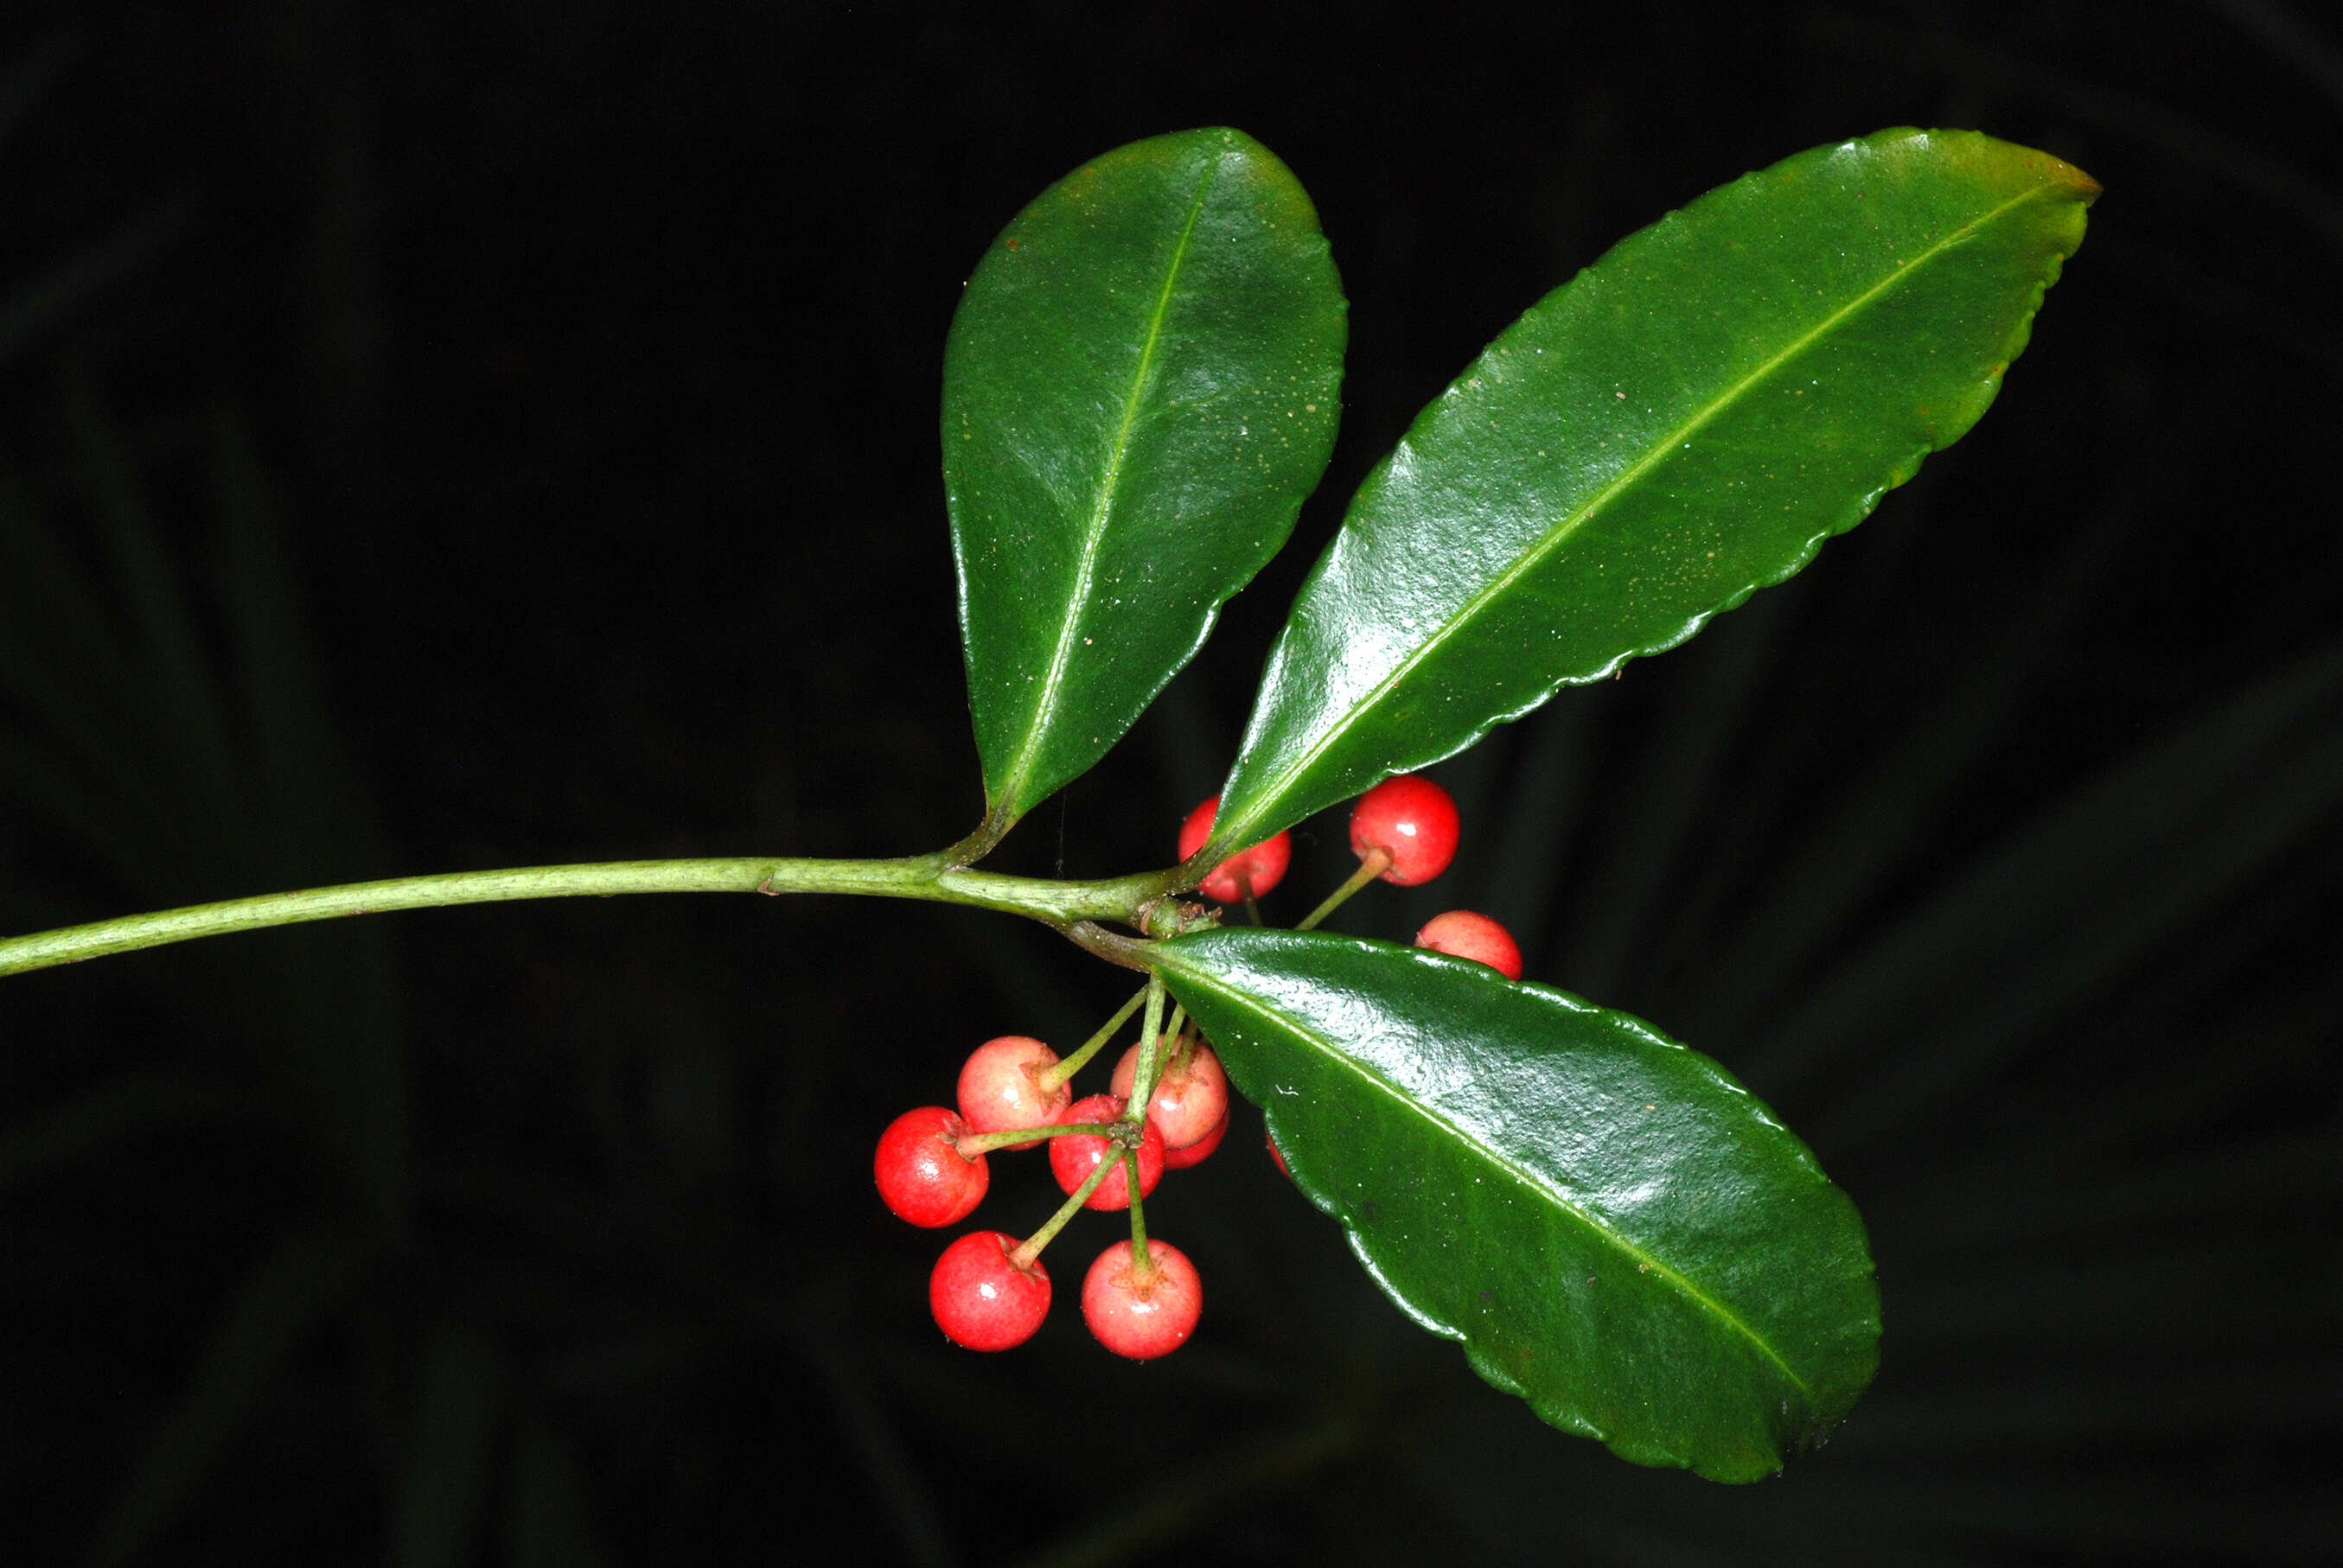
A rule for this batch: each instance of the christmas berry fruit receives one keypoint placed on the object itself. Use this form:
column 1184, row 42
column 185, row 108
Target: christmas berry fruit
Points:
column 1252, row 872
column 922, row 1175
column 1142, row 1314
column 1412, row 821
column 1190, row 1098
column 1475, row 937
column 1000, row 1087
column 1196, row 1153
column 981, row 1298
column 1073, row 1156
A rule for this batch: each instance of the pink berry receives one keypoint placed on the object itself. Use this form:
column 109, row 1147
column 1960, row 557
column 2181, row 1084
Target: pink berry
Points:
column 981, row 1299
column 1188, row 1103
column 1254, row 871
column 922, row 1175
column 1146, row 1316
column 1194, row 1154
column 1074, row 1156
column 1476, row 937
column 1413, row 821
column 1000, row 1087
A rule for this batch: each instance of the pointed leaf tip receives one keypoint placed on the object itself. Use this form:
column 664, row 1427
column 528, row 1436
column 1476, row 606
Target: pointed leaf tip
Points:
column 1616, row 1230
column 1685, row 422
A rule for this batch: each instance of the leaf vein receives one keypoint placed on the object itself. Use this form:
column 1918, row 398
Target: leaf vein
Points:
column 1094, row 533
column 1529, row 1179
column 1570, row 526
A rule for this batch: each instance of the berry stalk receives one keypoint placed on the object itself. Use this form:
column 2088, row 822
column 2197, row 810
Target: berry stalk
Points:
column 977, row 1144
column 1372, row 864
column 1184, row 1044
column 1151, row 1056
column 1081, row 1059
column 1024, row 1256
column 1142, row 1262
column 1175, row 1032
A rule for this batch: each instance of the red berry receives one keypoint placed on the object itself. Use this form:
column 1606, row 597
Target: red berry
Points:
column 1476, row 937
column 981, row 1299
column 1277, row 1155
column 1145, row 1317
column 1188, row 1103
column 1073, row 1157
column 923, row 1176
column 1000, row 1087
column 1255, row 870
column 1194, row 1154
column 1412, row 821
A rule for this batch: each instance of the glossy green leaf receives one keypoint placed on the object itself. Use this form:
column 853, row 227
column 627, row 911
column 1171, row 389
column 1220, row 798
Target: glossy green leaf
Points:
column 1139, row 389
column 1616, row 1231
column 1682, row 423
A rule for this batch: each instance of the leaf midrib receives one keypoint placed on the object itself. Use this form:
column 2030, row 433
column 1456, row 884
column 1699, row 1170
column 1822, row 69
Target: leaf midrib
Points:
column 1241, row 828
column 1094, row 534
column 1529, row 1179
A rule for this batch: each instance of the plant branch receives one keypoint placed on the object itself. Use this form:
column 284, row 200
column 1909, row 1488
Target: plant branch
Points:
column 931, row 878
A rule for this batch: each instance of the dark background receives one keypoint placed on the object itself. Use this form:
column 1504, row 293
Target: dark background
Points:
column 442, row 435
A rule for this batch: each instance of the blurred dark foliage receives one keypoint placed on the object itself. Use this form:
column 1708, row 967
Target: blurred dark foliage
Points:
column 445, row 436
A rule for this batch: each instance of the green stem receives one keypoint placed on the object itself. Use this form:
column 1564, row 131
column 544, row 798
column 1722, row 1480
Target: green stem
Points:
column 931, row 878
column 977, row 1144
column 1169, row 1056
column 1142, row 1261
column 1377, row 861
column 1142, row 1080
column 1023, row 1256
column 1184, row 1046
column 1065, row 1070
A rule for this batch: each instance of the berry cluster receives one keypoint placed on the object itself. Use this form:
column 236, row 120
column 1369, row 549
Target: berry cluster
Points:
column 988, row 1291
column 1166, row 1109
